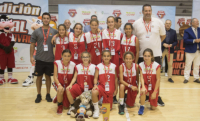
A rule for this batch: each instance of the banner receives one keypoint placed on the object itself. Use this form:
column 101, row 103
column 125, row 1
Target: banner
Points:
column 180, row 21
column 196, row 9
column 24, row 13
column 129, row 13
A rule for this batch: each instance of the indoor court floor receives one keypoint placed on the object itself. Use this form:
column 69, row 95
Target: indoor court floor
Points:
column 182, row 103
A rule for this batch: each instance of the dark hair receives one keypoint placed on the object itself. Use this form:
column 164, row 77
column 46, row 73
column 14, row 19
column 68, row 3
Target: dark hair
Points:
column 126, row 53
column 117, row 19
column 86, row 52
column 128, row 24
column 151, row 52
column 145, row 6
column 63, row 26
column 106, row 50
column 94, row 20
column 93, row 16
column 78, row 24
column 45, row 13
column 66, row 51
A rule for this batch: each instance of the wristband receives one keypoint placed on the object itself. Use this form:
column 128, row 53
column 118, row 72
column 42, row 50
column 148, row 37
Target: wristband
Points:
column 59, row 84
column 95, row 84
column 130, row 86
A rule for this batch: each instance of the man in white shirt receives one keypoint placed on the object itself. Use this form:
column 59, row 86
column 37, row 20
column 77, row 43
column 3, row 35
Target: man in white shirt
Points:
column 67, row 23
column 150, row 32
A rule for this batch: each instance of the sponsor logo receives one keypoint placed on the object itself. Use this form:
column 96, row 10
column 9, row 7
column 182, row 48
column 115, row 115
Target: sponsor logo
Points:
column 188, row 22
column 22, row 58
column 111, row 34
column 64, row 70
column 110, row 70
column 72, row 12
column 131, row 21
column 130, row 13
column 125, row 41
column 15, row 49
column 86, row 22
column 161, row 14
column 102, row 22
column 85, row 70
column 116, row 13
column 181, row 21
column 86, row 12
column 50, row 34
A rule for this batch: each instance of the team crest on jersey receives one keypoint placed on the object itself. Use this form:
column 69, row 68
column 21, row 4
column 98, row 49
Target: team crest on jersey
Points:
column 110, row 70
column 116, row 13
column 161, row 14
column 85, row 70
column 131, row 21
column 50, row 34
column 86, row 22
column 64, row 70
column 72, row 12
column 128, row 41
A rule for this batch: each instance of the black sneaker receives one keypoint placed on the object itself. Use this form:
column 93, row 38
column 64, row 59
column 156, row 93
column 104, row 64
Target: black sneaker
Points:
column 160, row 102
column 115, row 100
column 38, row 99
column 48, row 98
column 147, row 98
column 121, row 109
column 170, row 80
column 125, row 97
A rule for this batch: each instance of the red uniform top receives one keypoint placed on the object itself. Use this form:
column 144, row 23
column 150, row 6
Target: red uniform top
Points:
column 76, row 47
column 5, row 39
column 107, row 77
column 150, row 73
column 85, row 75
column 128, row 45
column 129, row 79
column 112, row 40
column 61, row 44
column 68, row 71
column 94, row 44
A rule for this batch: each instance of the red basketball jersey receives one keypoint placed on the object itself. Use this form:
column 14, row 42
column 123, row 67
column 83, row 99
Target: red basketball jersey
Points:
column 85, row 74
column 5, row 39
column 76, row 47
column 61, row 44
column 62, row 72
column 107, row 76
column 94, row 46
column 130, row 79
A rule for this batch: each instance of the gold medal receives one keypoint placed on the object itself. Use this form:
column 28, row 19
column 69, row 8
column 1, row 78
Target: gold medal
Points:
column 85, row 83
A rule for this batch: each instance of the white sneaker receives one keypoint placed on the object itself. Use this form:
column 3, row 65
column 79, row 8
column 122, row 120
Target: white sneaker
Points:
column 166, row 74
column 69, row 112
column 43, row 81
column 27, row 82
column 96, row 114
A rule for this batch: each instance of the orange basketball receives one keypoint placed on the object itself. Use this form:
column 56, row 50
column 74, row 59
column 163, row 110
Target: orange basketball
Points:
column 103, row 110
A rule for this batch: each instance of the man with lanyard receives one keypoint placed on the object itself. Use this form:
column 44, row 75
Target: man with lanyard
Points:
column 150, row 32
column 44, row 56
column 67, row 23
column 168, row 47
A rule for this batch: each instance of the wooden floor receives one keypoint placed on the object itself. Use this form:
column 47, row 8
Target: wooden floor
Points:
column 182, row 103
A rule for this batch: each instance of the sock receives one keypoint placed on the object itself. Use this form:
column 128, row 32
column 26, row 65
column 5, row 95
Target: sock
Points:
column 1, row 76
column 121, row 101
column 96, row 106
column 142, row 105
column 72, row 105
column 43, row 78
column 60, row 103
column 9, row 75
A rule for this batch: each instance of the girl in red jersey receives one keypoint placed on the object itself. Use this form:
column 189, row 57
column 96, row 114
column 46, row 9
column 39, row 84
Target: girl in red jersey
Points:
column 129, row 43
column 150, row 80
column 61, row 41
column 63, row 73
column 128, row 72
column 84, row 74
column 76, row 42
column 108, row 82
column 111, row 38
column 94, row 42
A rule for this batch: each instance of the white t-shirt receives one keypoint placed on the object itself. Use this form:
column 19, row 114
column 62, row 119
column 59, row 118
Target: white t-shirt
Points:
column 154, row 40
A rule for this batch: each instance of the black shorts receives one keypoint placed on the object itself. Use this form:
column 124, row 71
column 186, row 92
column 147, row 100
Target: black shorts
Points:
column 158, row 59
column 42, row 67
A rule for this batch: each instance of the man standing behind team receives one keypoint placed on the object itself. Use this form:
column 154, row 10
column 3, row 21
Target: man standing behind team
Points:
column 44, row 56
column 150, row 32
column 67, row 23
